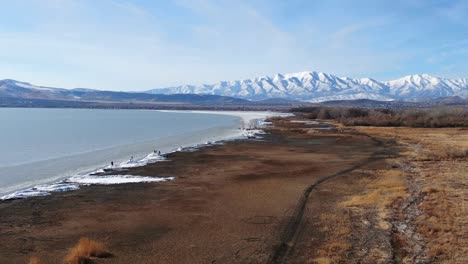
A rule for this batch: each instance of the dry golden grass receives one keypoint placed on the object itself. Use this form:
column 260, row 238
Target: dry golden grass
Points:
column 439, row 158
column 34, row 260
column 381, row 192
column 85, row 249
column 322, row 260
column 426, row 143
column 336, row 226
column 446, row 153
column 388, row 186
column 445, row 216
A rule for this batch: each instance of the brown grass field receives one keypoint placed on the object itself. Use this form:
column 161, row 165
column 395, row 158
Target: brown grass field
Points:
column 419, row 198
column 435, row 165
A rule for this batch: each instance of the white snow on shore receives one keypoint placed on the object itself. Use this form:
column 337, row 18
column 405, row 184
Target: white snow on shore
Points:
column 252, row 122
column 114, row 179
column 150, row 158
column 41, row 190
column 74, row 183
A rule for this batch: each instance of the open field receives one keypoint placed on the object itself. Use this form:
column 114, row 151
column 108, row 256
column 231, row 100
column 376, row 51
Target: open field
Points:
column 304, row 194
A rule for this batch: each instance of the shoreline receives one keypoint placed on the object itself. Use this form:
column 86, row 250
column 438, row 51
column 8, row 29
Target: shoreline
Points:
column 72, row 183
column 246, row 116
column 226, row 198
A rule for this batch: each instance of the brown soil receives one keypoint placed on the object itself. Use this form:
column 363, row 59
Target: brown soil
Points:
column 297, row 196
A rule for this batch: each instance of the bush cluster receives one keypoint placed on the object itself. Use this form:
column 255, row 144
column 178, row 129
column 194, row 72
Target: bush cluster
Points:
column 446, row 116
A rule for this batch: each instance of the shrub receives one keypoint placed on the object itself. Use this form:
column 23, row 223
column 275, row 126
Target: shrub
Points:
column 34, row 260
column 415, row 117
column 85, row 249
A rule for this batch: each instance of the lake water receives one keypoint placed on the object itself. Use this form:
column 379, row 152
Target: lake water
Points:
column 39, row 146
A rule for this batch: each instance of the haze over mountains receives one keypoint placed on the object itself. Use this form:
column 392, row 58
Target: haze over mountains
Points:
column 318, row 86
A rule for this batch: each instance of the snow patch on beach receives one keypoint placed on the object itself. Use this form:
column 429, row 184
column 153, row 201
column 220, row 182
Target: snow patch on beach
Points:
column 74, row 183
column 115, row 179
column 253, row 133
column 41, row 190
column 131, row 163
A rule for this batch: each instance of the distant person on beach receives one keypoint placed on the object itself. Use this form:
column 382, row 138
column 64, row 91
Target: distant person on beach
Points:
column 112, row 164
column 131, row 159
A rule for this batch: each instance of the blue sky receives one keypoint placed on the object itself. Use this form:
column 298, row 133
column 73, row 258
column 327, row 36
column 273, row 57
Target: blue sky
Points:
column 143, row 44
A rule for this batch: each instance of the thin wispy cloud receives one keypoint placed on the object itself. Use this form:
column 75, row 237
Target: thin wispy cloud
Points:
column 138, row 45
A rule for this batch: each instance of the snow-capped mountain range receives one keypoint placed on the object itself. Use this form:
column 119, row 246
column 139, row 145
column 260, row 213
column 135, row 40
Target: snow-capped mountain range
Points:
column 303, row 86
column 18, row 93
column 319, row 86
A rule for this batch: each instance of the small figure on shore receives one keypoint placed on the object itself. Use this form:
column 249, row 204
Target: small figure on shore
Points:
column 112, row 164
column 131, row 159
column 159, row 153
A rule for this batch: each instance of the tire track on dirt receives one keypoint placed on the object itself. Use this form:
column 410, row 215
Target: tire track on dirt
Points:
column 288, row 235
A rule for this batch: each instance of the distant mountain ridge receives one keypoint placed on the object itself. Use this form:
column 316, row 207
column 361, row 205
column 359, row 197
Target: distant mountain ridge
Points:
column 318, row 86
column 287, row 89
column 23, row 90
column 22, row 94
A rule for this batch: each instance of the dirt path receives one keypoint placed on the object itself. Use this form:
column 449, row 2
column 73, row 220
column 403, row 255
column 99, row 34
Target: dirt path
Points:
column 289, row 234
